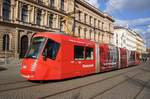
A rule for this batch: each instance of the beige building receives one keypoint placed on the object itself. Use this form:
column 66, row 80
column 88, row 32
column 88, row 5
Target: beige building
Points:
column 92, row 24
column 140, row 44
column 20, row 19
column 124, row 38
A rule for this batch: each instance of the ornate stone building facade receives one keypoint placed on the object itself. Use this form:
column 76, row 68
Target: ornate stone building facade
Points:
column 92, row 24
column 20, row 19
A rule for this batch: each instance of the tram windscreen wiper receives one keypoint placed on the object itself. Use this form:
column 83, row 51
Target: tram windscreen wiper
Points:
column 30, row 56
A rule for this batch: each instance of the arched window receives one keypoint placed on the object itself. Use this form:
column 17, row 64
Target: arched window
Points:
column 6, row 40
column 24, row 45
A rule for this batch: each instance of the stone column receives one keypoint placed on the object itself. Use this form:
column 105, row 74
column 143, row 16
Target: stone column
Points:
column 16, row 10
column 16, row 44
column 12, row 11
column 30, row 13
column 45, row 23
column 43, row 18
column 32, row 16
column 57, row 4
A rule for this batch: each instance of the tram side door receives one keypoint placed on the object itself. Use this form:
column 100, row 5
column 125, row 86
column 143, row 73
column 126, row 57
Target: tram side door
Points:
column 50, row 60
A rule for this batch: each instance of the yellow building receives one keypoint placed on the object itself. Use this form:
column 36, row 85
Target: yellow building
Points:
column 140, row 45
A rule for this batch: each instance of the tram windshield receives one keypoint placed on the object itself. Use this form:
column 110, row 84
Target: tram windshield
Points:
column 35, row 47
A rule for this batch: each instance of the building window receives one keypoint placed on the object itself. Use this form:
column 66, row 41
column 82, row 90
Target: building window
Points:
column 90, row 34
column 79, row 31
column 6, row 9
column 109, row 27
column 62, row 5
column 117, row 39
column 51, row 16
column 94, row 22
column 6, row 40
column 61, row 24
column 40, row 1
column 98, row 24
column 79, row 15
column 85, row 31
column 52, row 3
column 99, row 36
column 102, row 37
column 90, row 20
column 102, row 25
column 89, row 53
column 85, row 18
column 38, row 17
column 24, row 13
column 78, row 52
column 109, row 38
column 94, row 35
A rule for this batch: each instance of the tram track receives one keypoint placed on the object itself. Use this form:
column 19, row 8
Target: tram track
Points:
column 10, row 86
column 138, row 82
column 16, row 85
column 106, row 90
column 142, row 88
column 98, row 81
column 8, row 83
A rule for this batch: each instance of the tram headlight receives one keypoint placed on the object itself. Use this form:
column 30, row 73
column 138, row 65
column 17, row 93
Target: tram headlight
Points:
column 24, row 67
column 33, row 66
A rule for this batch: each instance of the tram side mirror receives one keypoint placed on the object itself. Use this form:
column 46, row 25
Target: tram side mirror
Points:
column 45, row 55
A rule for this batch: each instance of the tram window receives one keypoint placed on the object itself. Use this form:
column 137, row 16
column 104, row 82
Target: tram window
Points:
column 35, row 47
column 78, row 53
column 89, row 53
column 51, row 49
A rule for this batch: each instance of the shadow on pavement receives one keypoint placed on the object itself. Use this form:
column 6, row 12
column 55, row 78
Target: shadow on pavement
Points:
column 2, row 68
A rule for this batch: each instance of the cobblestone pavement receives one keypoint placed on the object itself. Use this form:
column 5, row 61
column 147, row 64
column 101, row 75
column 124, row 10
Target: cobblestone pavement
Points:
column 128, row 83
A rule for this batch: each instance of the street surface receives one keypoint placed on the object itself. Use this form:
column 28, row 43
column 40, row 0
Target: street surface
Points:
column 128, row 83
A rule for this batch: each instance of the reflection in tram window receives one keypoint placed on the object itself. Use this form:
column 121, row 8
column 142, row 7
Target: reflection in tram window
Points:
column 51, row 49
column 78, row 53
column 131, row 56
column 89, row 53
column 113, row 54
column 35, row 48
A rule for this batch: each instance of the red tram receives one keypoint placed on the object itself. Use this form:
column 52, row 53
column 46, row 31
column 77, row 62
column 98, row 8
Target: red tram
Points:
column 54, row 56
